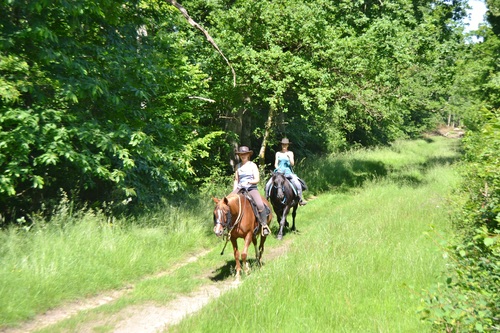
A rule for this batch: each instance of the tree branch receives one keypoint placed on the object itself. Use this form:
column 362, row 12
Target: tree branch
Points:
column 207, row 36
column 202, row 98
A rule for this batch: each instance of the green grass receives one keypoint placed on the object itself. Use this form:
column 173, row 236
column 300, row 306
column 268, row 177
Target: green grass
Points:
column 60, row 261
column 405, row 162
column 364, row 253
column 359, row 265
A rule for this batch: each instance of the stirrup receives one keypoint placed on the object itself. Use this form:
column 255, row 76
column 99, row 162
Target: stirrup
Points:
column 265, row 230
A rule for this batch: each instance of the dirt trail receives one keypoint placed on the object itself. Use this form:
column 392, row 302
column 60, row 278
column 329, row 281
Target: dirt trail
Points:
column 147, row 318
column 152, row 318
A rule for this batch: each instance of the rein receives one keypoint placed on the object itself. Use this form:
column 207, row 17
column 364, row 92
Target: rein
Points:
column 284, row 193
column 283, row 189
column 238, row 220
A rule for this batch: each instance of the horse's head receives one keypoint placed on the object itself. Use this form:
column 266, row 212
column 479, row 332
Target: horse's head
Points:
column 222, row 216
column 279, row 183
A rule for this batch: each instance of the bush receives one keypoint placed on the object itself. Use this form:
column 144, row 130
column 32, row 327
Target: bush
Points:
column 469, row 301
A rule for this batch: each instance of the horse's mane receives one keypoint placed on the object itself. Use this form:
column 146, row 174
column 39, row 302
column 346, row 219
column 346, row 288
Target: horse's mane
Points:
column 231, row 196
column 281, row 175
column 288, row 188
column 235, row 197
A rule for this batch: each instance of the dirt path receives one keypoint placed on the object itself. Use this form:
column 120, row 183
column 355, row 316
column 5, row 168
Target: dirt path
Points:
column 147, row 318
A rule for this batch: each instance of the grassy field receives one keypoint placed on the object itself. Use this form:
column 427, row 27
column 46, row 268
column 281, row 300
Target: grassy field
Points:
column 362, row 259
column 368, row 245
column 78, row 256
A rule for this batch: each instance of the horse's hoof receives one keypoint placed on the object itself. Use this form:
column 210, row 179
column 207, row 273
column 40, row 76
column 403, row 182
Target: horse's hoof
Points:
column 280, row 237
column 247, row 268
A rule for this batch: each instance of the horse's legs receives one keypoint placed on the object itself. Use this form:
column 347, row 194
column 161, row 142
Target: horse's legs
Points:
column 294, row 212
column 257, row 250
column 261, row 250
column 244, row 254
column 282, row 227
column 236, row 256
column 279, row 216
column 283, row 221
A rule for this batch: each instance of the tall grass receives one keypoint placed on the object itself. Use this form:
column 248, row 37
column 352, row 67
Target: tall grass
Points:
column 404, row 162
column 362, row 259
column 75, row 256
column 358, row 264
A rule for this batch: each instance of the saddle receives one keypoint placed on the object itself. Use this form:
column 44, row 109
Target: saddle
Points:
column 301, row 181
column 267, row 209
column 294, row 188
column 252, row 202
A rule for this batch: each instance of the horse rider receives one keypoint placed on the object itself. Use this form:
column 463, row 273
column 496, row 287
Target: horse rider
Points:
column 247, row 177
column 283, row 163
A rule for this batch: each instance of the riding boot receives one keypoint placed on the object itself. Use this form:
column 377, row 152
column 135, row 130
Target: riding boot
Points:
column 263, row 223
column 302, row 202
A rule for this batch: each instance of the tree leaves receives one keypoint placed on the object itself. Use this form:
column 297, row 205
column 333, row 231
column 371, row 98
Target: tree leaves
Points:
column 105, row 88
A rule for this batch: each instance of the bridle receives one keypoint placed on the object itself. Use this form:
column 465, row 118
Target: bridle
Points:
column 218, row 217
column 226, row 225
column 282, row 187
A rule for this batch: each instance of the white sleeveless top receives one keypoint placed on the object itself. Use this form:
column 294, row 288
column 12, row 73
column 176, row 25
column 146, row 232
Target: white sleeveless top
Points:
column 245, row 174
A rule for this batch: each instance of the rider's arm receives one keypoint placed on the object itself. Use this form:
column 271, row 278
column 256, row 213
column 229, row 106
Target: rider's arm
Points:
column 236, row 181
column 276, row 161
column 256, row 176
column 291, row 157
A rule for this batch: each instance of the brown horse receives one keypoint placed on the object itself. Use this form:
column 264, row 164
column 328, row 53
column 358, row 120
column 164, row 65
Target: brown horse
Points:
column 234, row 218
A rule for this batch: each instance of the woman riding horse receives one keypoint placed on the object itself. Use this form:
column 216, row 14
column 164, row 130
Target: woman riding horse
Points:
column 283, row 163
column 246, row 178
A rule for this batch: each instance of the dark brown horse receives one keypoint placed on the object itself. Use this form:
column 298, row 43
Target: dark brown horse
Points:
column 283, row 198
column 234, row 218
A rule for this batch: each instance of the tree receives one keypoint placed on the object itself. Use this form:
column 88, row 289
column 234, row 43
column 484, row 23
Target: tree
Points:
column 333, row 74
column 96, row 103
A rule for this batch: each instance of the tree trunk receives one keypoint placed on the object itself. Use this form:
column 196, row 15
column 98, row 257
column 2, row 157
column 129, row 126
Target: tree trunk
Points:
column 238, row 123
column 267, row 133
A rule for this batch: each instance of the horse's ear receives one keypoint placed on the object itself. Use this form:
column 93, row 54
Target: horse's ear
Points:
column 226, row 201
column 215, row 199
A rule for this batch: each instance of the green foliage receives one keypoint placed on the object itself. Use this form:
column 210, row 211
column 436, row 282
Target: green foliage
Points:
column 94, row 101
column 338, row 73
column 111, row 100
column 469, row 301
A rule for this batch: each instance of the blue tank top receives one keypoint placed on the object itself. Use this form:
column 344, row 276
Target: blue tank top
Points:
column 284, row 164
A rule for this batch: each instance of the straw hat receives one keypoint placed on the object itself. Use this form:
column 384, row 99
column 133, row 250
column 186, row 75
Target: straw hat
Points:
column 244, row 150
column 285, row 141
